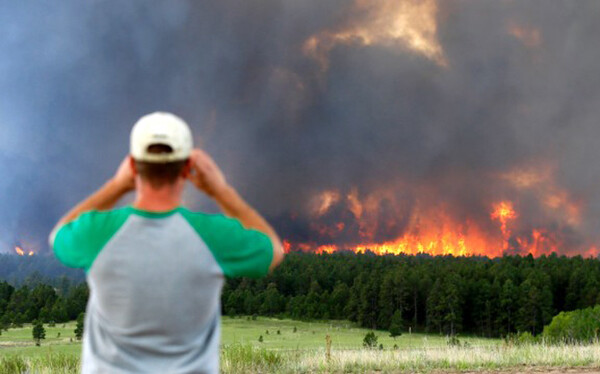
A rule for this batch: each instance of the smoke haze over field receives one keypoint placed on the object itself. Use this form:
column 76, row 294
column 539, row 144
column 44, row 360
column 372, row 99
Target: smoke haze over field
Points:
column 346, row 123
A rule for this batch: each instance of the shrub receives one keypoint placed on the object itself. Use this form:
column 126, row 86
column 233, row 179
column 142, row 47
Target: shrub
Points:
column 577, row 326
column 453, row 341
column 526, row 338
column 370, row 340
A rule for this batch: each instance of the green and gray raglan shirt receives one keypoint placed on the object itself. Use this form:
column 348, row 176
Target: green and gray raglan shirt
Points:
column 155, row 283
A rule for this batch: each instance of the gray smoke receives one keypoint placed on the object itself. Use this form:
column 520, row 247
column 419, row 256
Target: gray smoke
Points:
column 74, row 77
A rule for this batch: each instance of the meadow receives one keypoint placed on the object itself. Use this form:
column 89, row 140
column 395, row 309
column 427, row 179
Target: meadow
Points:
column 292, row 346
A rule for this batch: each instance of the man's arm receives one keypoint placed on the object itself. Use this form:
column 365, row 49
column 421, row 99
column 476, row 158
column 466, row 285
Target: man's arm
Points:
column 207, row 176
column 105, row 198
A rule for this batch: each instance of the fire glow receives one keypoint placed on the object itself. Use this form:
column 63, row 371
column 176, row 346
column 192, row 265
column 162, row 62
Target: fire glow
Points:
column 442, row 236
column 408, row 23
column 22, row 252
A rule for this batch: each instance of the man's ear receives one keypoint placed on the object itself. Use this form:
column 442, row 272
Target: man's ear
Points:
column 132, row 164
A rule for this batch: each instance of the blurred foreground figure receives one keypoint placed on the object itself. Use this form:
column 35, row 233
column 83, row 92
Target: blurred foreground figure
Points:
column 155, row 269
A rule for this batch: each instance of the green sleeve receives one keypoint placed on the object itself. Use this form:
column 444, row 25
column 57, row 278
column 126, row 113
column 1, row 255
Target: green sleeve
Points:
column 239, row 251
column 77, row 243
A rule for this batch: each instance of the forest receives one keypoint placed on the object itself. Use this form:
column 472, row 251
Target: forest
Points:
column 443, row 294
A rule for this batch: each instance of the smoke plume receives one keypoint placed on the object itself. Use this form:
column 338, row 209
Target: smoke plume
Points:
column 349, row 124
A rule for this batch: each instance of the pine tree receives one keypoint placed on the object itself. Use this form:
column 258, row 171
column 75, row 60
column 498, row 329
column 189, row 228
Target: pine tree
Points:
column 508, row 302
column 79, row 326
column 396, row 324
column 368, row 302
column 435, row 307
column 339, row 299
column 38, row 332
column 452, row 315
column 272, row 303
column 535, row 303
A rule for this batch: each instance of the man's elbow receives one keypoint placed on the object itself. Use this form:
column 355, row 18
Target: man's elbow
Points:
column 52, row 236
column 278, row 254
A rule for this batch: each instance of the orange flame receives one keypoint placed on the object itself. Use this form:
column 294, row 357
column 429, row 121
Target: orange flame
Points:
column 449, row 239
column 22, row 252
column 503, row 212
column 287, row 246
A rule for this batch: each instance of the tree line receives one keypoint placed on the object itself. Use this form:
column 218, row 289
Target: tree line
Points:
column 40, row 302
column 444, row 294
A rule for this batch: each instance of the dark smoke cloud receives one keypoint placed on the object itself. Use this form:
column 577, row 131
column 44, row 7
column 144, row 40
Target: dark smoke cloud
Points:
column 74, row 77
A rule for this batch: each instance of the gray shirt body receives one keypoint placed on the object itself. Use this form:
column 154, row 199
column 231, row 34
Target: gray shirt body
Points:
column 155, row 287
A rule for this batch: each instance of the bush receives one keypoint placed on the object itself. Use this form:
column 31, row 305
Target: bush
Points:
column 370, row 340
column 577, row 326
column 453, row 341
column 525, row 338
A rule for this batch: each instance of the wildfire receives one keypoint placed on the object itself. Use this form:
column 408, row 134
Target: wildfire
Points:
column 449, row 239
column 409, row 23
column 21, row 252
column 389, row 220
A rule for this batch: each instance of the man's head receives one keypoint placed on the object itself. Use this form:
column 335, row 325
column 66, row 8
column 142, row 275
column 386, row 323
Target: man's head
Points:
column 161, row 144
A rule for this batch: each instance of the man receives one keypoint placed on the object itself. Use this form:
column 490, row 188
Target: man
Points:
column 155, row 269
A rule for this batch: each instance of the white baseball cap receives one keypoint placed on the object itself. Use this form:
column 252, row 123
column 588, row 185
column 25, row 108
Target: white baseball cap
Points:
column 161, row 128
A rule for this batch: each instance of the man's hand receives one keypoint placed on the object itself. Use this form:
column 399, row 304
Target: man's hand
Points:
column 124, row 178
column 205, row 174
column 106, row 197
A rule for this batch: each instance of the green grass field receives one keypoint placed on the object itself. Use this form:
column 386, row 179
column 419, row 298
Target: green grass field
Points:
column 311, row 336
column 308, row 336
column 304, row 350
column 19, row 341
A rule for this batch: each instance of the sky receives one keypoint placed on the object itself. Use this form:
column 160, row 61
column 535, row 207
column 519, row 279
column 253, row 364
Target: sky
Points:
column 455, row 126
